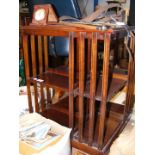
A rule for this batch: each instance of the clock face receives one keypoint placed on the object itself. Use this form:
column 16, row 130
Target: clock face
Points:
column 40, row 14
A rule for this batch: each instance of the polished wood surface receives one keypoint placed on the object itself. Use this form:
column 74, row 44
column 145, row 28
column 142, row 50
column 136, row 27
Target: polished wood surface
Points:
column 71, row 80
column 27, row 70
column 104, row 89
column 92, row 87
column 40, row 56
column 33, row 55
column 81, row 83
column 86, row 108
column 115, row 85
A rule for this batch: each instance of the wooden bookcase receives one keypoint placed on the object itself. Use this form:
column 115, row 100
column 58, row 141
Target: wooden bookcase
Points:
column 94, row 120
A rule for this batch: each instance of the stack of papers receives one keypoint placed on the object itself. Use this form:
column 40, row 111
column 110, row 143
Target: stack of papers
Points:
column 36, row 132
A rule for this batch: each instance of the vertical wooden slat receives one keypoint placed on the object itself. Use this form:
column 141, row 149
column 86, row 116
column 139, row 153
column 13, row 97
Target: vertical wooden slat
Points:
column 46, row 66
column 128, row 90
column 40, row 57
column 42, row 97
column 81, row 82
column 46, row 52
column 33, row 55
column 89, row 55
column 27, row 70
column 92, row 87
column 40, row 54
column 130, row 83
column 36, row 96
column 104, row 89
column 77, row 56
column 131, row 76
column 34, row 71
column 133, row 67
column 132, row 87
column 71, row 79
column 48, row 95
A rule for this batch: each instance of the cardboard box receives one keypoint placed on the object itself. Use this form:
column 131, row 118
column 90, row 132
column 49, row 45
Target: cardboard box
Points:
column 59, row 146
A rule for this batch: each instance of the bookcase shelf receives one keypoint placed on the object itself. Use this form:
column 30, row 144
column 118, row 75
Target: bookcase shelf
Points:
column 114, row 86
column 52, row 80
column 87, row 109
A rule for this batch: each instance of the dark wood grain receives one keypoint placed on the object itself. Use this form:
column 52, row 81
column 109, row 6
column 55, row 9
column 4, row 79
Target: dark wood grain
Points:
column 40, row 54
column 46, row 66
column 71, row 80
column 54, row 80
column 99, row 125
column 81, row 83
column 89, row 55
column 115, row 85
column 46, row 52
column 104, row 89
column 92, row 87
column 42, row 97
column 33, row 55
column 37, row 109
column 27, row 70
column 130, row 83
column 111, row 125
column 60, row 70
column 55, row 30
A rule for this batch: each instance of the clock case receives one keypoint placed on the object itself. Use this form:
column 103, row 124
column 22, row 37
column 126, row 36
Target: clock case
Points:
column 50, row 16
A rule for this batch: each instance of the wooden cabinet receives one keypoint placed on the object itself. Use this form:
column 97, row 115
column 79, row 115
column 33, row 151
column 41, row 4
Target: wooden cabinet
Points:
column 87, row 106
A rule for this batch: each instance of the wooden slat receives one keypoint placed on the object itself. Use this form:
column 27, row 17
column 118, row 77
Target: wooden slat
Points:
column 48, row 95
column 104, row 89
column 130, row 84
column 89, row 55
column 36, row 96
column 81, row 82
column 92, row 87
column 71, row 80
column 27, row 70
column 46, row 52
column 131, row 88
column 133, row 71
column 128, row 89
column 33, row 55
column 46, row 66
column 42, row 97
column 40, row 54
